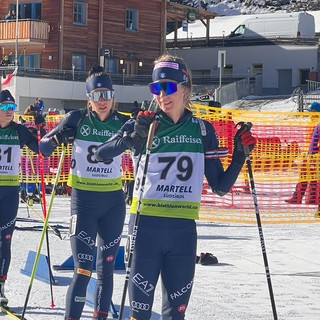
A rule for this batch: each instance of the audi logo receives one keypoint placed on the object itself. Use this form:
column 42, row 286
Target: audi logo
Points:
column 140, row 306
column 84, row 256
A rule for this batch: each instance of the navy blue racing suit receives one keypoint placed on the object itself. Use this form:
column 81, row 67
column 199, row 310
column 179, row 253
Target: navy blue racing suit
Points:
column 12, row 139
column 97, row 208
column 165, row 239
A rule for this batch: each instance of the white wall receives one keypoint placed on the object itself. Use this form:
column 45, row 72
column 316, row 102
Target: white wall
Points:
column 272, row 57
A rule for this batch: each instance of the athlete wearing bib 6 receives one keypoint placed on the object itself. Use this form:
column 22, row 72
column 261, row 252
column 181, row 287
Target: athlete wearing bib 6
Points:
column 13, row 136
column 97, row 198
column 184, row 149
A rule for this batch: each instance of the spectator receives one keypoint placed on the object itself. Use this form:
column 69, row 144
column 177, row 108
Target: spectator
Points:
column 8, row 16
column 36, row 108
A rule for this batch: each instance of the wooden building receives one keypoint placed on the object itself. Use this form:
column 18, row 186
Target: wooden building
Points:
column 66, row 34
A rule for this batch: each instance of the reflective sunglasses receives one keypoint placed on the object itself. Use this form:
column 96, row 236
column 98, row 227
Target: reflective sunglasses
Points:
column 8, row 106
column 168, row 87
column 96, row 95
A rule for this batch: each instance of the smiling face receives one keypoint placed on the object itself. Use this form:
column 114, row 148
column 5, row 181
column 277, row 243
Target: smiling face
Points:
column 101, row 101
column 172, row 104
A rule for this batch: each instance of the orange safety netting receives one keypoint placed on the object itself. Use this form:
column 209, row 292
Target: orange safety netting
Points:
column 279, row 161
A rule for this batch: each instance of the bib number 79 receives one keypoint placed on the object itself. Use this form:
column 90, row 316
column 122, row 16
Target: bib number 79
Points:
column 184, row 167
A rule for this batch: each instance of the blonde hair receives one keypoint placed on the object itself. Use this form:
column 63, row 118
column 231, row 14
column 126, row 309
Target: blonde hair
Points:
column 188, row 85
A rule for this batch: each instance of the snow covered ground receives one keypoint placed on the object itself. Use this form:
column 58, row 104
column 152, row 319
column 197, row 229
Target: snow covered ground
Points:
column 234, row 289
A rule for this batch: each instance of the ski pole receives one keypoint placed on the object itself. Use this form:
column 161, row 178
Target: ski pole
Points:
column 247, row 126
column 44, row 210
column 54, row 230
column 132, row 239
column 44, row 229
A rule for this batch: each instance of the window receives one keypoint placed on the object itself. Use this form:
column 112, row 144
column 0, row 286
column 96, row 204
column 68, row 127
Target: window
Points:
column 30, row 60
column 30, row 10
column 131, row 20
column 304, row 76
column 78, row 60
column 79, row 12
column 228, row 70
column 256, row 69
column 110, row 65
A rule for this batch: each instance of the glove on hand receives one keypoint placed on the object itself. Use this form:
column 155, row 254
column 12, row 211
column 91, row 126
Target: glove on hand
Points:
column 141, row 126
column 242, row 138
column 66, row 135
column 39, row 120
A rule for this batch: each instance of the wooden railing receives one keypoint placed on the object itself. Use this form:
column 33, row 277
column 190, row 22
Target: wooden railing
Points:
column 33, row 31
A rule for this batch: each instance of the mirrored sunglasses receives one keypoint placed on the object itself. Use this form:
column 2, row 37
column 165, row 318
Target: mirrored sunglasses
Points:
column 105, row 94
column 8, row 106
column 168, row 87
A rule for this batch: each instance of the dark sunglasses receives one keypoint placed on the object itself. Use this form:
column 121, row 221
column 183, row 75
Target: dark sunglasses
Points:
column 168, row 87
column 8, row 106
column 96, row 95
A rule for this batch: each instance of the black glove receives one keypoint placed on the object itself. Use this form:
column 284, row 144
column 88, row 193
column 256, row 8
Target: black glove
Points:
column 39, row 120
column 141, row 126
column 242, row 138
column 65, row 135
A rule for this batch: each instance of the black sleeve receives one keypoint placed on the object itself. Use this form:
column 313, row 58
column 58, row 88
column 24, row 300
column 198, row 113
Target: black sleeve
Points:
column 70, row 120
column 220, row 180
column 120, row 142
column 27, row 138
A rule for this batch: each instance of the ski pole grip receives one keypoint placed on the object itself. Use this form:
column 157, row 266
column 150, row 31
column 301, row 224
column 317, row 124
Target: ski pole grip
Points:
column 152, row 129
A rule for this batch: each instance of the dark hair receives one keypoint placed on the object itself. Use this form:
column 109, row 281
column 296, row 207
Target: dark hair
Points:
column 96, row 70
column 97, row 78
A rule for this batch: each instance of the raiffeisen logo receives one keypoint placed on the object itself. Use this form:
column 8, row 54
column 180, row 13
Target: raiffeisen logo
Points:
column 182, row 139
column 103, row 133
column 86, row 131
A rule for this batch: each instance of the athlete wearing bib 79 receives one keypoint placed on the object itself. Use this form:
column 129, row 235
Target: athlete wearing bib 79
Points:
column 184, row 149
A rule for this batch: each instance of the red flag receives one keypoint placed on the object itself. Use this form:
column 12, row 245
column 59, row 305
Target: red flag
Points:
column 7, row 80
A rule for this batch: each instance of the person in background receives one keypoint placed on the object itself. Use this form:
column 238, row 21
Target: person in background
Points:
column 8, row 16
column 97, row 198
column 185, row 148
column 13, row 137
column 36, row 108
column 308, row 167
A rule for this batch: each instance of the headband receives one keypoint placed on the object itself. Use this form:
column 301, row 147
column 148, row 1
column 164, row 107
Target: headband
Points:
column 95, row 82
column 170, row 70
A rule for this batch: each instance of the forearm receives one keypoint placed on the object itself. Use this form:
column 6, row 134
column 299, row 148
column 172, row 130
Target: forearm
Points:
column 112, row 148
column 219, row 180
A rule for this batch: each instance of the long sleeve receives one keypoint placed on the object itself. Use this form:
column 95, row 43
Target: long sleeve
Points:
column 48, row 143
column 120, row 142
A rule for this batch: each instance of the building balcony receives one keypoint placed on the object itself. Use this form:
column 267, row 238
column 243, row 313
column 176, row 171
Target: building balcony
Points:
column 29, row 32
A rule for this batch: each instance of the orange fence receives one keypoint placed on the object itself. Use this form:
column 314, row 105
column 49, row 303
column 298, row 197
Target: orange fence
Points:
column 280, row 160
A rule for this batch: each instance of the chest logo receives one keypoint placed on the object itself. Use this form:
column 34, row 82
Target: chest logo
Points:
column 85, row 130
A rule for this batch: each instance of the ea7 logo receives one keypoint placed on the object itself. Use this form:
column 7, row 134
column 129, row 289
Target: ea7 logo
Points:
column 144, row 285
